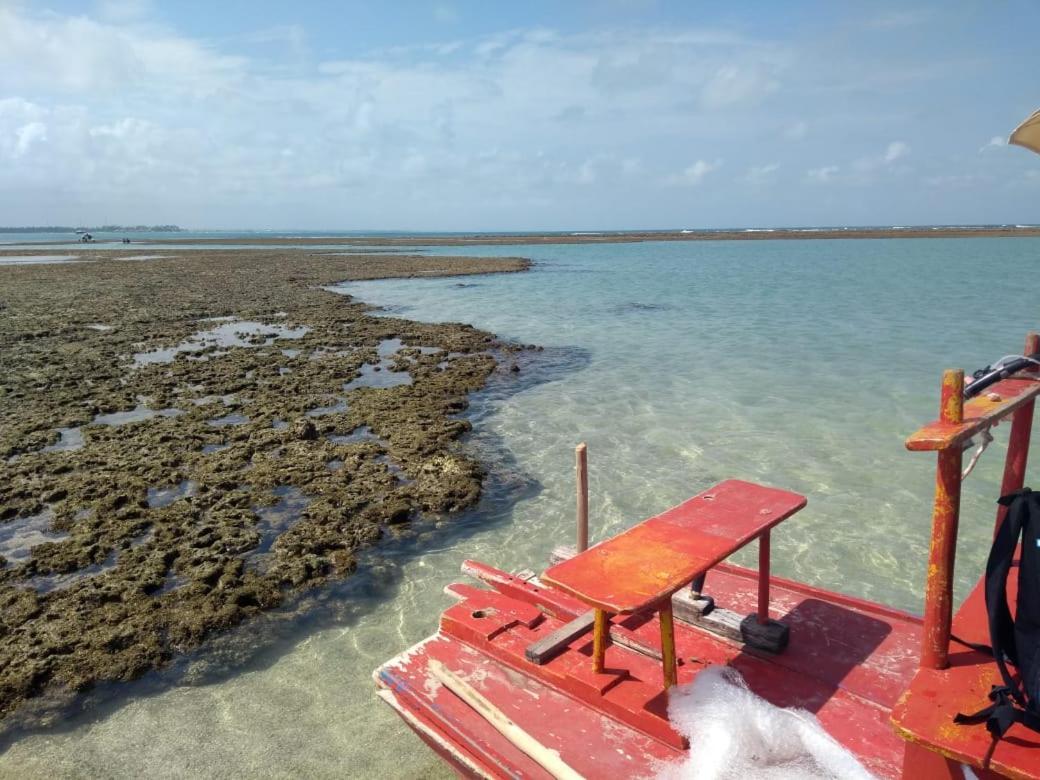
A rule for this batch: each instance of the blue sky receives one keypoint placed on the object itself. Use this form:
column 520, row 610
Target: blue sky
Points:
column 522, row 116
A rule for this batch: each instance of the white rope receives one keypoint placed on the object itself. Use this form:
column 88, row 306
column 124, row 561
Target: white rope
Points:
column 985, row 438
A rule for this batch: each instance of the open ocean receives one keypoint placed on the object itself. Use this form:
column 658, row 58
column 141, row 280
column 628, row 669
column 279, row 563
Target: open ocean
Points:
column 800, row 364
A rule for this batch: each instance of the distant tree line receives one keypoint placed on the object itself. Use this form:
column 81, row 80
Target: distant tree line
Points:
column 98, row 229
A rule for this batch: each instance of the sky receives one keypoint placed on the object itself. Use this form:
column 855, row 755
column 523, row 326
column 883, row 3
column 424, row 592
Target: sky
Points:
column 535, row 115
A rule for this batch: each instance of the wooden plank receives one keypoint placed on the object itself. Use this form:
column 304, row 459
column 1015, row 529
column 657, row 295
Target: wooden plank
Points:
column 549, row 760
column 830, row 627
column 686, row 608
column 721, row 622
column 541, row 651
column 646, row 564
column 560, row 553
column 996, row 403
column 550, row 602
column 584, row 737
column 628, row 640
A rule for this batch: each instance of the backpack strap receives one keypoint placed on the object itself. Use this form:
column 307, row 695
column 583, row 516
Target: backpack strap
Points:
column 1000, row 716
column 1001, row 555
column 1009, row 703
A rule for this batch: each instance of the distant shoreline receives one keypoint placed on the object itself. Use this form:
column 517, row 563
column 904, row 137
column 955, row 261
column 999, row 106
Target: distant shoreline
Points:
column 100, row 229
column 624, row 237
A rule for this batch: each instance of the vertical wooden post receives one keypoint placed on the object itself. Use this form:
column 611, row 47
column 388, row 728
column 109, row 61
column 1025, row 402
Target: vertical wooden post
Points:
column 763, row 578
column 1018, row 441
column 581, row 467
column 600, row 629
column 667, row 643
column 938, row 598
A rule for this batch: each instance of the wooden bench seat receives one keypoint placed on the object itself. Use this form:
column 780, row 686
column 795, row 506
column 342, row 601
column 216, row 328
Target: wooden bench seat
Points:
column 924, row 714
column 649, row 562
column 640, row 569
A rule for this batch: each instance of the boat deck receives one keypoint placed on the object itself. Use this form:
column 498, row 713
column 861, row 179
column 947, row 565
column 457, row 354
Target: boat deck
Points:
column 924, row 714
column 847, row 662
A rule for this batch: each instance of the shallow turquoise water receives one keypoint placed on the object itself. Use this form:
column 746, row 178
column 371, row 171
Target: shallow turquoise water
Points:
column 802, row 364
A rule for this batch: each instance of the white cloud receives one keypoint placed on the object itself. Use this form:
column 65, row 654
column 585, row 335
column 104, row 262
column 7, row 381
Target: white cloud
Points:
column 27, row 135
column 693, row 174
column 107, row 110
column 732, row 84
column 996, row 142
column 866, row 168
column 823, row 175
column 897, row 19
column 956, row 181
column 758, row 174
column 77, row 54
column 895, row 151
column 141, row 102
column 797, row 131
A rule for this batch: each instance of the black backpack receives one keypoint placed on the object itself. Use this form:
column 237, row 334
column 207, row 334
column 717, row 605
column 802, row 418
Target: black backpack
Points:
column 1013, row 641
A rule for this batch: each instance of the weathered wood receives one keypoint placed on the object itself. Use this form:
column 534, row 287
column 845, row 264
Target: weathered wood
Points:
column 721, row 622
column 687, row 608
column 979, row 413
column 561, row 552
column 619, row 636
column 771, row 636
column 455, row 593
column 541, row 651
column 763, row 578
column 1018, row 441
column 549, row 760
column 946, row 510
column 850, row 663
column 667, row 644
column 600, row 631
column 655, row 558
column 581, row 468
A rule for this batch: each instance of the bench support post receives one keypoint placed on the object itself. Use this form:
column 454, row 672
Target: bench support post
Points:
column 763, row 578
column 581, row 470
column 599, row 640
column 667, row 643
column 938, row 598
column 758, row 630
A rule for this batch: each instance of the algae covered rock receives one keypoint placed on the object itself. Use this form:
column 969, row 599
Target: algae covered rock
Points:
column 159, row 485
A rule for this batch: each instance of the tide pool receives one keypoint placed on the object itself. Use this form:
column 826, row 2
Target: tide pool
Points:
column 800, row 364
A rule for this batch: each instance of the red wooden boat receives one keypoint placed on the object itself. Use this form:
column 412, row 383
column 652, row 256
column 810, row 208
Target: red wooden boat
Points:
column 567, row 673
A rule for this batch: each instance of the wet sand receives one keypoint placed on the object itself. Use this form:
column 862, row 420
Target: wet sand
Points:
column 189, row 441
column 622, row 237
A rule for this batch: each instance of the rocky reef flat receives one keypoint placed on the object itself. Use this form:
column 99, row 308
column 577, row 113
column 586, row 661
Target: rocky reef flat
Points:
column 191, row 438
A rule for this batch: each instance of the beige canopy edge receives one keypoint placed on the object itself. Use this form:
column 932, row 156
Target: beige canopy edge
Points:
column 1027, row 134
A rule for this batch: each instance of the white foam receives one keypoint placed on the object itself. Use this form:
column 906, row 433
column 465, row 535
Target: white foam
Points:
column 734, row 733
column 36, row 259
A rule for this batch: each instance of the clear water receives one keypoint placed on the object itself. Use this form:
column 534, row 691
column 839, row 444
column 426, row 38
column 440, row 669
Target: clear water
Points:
column 801, row 364
column 231, row 333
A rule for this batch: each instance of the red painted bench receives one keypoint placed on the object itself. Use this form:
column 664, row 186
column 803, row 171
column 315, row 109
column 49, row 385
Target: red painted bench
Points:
column 925, row 712
column 642, row 567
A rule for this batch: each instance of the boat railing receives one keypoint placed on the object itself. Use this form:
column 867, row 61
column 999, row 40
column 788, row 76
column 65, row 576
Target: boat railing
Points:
column 948, row 436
